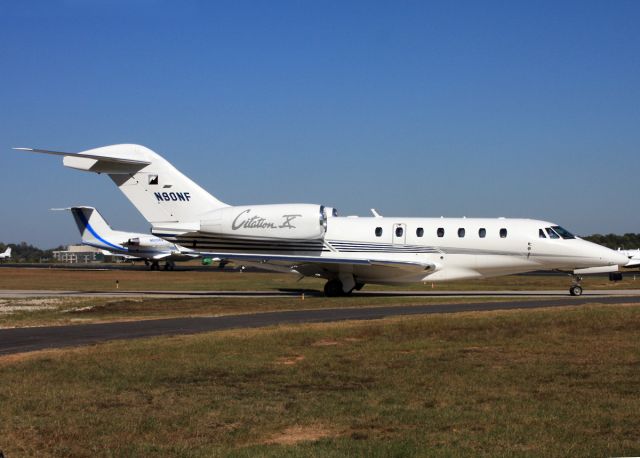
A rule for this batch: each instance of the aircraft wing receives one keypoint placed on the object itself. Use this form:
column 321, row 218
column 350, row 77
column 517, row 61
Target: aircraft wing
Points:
column 180, row 256
column 319, row 264
column 632, row 263
column 160, row 256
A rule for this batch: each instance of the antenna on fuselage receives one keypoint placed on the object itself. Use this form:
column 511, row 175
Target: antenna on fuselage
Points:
column 375, row 213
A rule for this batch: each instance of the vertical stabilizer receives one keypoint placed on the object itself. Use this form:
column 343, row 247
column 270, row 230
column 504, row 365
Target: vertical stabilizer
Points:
column 155, row 187
column 92, row 226
column 158, row 190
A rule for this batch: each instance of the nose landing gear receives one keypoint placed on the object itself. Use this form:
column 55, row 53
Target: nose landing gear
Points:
column 576, row 288
column 342, row 286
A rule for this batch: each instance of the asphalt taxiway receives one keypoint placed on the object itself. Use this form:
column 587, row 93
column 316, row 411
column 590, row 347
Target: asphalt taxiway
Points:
column 19, row 340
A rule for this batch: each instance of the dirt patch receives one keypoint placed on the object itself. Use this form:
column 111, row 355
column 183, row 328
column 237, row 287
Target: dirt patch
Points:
column 290, row 360
column 325, row 343
column 353, row 339
column 298, row 433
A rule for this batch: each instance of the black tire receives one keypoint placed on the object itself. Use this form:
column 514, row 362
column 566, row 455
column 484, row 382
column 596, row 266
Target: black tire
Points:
column 358, row 286
column 333, row 288
column 575, row 290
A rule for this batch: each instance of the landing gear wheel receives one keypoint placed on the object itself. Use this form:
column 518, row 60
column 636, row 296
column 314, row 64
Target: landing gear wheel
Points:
column 575, row 290
column 333, row 288
column 358, row 286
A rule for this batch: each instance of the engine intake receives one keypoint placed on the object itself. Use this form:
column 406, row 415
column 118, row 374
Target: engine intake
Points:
column 145, row 242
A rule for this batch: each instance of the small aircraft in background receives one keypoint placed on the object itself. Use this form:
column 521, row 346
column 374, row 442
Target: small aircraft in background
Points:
column 634, row 258
column 96, row 232
column 6, row 255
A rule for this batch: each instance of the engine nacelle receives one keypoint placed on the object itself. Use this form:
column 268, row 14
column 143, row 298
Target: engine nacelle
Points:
column 146, row 242
column 280, row 222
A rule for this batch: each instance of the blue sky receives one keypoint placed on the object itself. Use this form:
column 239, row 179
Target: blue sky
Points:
column 519, row 109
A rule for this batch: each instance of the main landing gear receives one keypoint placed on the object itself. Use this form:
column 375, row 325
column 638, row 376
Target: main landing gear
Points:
column 341, row 286
column 576, row 288
column 155, row 265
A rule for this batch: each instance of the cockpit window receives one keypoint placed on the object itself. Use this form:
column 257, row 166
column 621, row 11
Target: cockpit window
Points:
column 552, row 235
column 541, row 234
column 562, row 232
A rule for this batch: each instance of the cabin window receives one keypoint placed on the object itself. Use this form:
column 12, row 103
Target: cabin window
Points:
column 378, row 232
column 562, row 232
column 399, row 231
column 441, row 232
column 419, row 232
column 461, row 232
column 482, row 232
column 541, row 234
column 503, row 233
column 552, row 235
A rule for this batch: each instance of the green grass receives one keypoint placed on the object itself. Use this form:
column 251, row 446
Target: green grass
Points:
column 536, row 383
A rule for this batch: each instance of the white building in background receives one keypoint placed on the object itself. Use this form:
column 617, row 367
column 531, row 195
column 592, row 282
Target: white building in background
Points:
column 78, row 254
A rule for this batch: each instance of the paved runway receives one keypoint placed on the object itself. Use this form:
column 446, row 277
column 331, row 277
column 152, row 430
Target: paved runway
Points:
column 18, row 340
column 12, row 294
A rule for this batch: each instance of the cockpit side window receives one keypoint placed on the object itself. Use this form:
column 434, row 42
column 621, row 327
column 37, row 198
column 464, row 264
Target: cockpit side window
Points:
column 562, row 232
column 541, row 234
column 552, row 235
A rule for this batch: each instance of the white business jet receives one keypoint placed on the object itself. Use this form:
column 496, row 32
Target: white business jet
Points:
column 96, row 232
column 6, row 255
column 312, row 240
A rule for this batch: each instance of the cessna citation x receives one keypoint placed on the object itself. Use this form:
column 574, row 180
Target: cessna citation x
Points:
column 96, row 232
column 312, row 240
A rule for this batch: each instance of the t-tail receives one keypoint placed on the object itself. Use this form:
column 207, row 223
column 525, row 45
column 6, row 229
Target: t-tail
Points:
column 93, row 227
column 160, row 192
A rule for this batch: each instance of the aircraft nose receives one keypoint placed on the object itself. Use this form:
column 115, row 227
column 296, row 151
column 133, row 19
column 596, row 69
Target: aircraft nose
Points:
column 604, row 256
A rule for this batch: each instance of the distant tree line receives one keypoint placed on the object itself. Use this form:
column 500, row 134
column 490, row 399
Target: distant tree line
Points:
column 25, row 252
column 626, row 242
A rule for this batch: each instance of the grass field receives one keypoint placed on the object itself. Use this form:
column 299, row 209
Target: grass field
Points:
column 215, row 280
column 537, row 383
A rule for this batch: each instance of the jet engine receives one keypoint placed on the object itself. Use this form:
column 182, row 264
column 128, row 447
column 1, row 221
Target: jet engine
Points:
column 279, row 222
column 146, row 242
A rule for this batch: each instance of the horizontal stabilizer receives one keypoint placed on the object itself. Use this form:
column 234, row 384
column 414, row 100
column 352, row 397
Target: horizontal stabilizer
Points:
column 97, row 157
column 103, row 160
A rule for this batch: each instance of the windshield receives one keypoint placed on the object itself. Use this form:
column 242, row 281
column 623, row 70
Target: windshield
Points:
column 565, row 234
